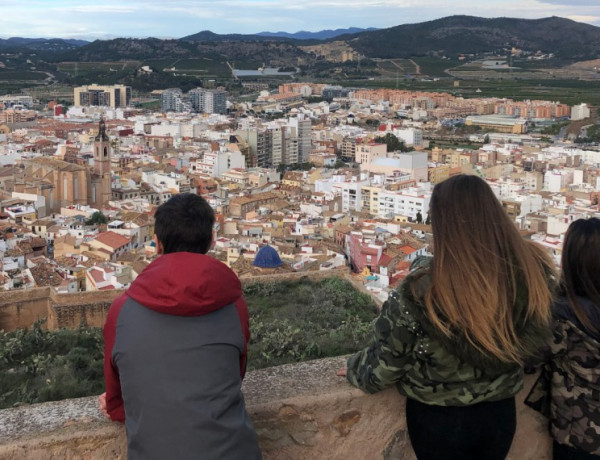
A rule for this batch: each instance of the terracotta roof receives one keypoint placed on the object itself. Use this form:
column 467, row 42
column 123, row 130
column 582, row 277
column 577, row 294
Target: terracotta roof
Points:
column 385, row 259
column 407, row 249
column 97, row 275
column 112, row 239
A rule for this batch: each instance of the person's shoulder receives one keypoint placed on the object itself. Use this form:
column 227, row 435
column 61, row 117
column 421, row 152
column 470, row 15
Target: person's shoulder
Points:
column 418, row 281
column 563, row 312
column 421, row 263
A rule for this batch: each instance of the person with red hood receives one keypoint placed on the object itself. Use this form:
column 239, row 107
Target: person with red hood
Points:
column 175, row 347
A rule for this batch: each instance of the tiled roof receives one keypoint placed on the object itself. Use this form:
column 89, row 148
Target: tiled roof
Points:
column 112, row 239
column 97, row 275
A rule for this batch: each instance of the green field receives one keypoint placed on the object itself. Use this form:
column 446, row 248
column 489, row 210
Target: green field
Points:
column 202, row 67
column 434, row 67
column 20, row 75
column 400, row 67
column 89, row 69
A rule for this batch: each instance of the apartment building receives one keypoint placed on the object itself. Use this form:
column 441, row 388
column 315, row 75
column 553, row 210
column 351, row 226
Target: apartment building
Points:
column 98, row 95
column 366, row 153
column 409, row 203
column 208, row 100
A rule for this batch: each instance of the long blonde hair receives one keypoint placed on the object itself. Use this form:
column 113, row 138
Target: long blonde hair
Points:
column 481, row 264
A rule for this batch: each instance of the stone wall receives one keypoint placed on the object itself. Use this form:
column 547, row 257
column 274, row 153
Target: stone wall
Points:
column 20, row 309
column 73, row 310
column 299, row 411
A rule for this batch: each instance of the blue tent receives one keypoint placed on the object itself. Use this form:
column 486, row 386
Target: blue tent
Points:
column 267, row 257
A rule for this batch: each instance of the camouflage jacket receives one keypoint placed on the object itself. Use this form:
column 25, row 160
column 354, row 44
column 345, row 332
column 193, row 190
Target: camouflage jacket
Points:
column 408, row 351
column 568, row 389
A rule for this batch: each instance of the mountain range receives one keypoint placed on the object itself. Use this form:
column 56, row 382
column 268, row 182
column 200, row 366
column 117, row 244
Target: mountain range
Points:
column 207, row 53
column 452, row 35
column 321, row 35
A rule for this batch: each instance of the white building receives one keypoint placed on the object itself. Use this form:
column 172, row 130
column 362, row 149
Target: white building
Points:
column 216, row 163
column 410, row 136
column 579, row 112
column 557, row 180
column 407, row 203
column 351, row 192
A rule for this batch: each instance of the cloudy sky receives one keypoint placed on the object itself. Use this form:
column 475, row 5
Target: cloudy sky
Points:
column 177, row 18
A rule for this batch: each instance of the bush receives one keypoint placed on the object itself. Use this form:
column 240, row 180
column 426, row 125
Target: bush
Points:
column 290, row 321
column 38, row 365
column 301, row 320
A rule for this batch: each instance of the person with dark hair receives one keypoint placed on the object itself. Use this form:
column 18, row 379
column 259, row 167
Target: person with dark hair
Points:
column 454, row 336
column 568, row 389
column 175, row 347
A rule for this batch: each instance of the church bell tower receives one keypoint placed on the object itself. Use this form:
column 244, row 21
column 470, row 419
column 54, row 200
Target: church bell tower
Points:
column 102, row 151
column 101, row 178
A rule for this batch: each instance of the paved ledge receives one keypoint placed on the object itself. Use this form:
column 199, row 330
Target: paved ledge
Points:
column 299, row 411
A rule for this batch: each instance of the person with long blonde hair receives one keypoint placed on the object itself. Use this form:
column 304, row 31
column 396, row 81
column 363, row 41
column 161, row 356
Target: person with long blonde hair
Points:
column 454, row 336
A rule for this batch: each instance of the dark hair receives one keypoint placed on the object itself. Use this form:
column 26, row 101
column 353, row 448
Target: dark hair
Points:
column 581, row 266
column 185, row 224
column 480, row 262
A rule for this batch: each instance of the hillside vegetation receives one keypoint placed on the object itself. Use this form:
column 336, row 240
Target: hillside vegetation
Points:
column 290, row 322
column 451, row 47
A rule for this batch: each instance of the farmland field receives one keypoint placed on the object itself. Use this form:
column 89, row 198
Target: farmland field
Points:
column 20, row 75
column 85, row 69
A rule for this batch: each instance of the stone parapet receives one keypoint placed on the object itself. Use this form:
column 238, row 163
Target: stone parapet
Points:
column 299, row 411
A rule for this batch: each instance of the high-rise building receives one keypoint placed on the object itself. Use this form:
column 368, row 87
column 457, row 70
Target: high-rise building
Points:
column 260, row 142
column 208, row 100
column 173, row 100
column 303, row 132
column 96, row 95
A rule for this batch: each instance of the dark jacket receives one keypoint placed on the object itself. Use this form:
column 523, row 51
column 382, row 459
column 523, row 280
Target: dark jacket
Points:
column 568, row 390
column 408, row 351
column 175, row 356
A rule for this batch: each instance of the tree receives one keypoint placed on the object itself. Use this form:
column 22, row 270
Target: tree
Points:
column 96, row 219
column 392, row 142
column 419, row 217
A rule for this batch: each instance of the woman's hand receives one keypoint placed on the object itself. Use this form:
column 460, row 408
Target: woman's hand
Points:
column 341, row 372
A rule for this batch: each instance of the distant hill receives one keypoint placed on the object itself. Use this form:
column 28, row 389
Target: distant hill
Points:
column 450, row 36
column 468, row 34
column 321, row 35
column 207, row 53
column 208, row 36
column 265, row 50
column 41, row 44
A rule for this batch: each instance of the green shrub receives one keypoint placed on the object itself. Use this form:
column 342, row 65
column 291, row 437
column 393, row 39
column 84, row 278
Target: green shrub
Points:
column 290, row 321
column 294, row 321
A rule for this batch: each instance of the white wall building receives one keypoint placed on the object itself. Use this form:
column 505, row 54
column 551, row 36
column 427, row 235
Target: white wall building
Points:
column 410, row 136
column 556, row 181
column 407, row 203
column 579, row 112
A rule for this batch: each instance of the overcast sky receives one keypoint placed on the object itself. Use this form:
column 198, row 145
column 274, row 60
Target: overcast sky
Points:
column 177, row 18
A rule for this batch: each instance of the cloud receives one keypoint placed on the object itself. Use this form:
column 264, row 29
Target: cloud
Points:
column 571, row 2
column 177, row 18
column 95, row 9
column 587, row 19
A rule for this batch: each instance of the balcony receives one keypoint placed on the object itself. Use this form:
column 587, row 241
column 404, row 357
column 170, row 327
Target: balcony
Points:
column 299, row 411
